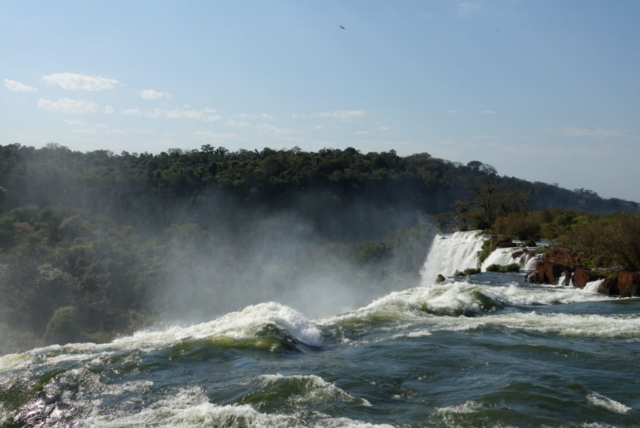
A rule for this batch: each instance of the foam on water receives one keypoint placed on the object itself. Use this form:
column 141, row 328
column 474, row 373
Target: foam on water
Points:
column 607, row 403
column 190, row 408
column 453, row 252
column 466, row 407
column 461, row 297
column 425, row 306
column 244, row 324
column 307, row 389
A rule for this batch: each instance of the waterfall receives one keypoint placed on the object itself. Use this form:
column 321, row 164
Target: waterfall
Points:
column 452, row 252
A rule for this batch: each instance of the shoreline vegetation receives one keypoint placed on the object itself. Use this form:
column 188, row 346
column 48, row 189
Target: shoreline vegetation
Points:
column 95, row 245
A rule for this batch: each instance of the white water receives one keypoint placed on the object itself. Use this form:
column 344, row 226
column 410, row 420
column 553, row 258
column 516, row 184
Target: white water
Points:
column 504, row 256
column 450, row 253
column 592, row 287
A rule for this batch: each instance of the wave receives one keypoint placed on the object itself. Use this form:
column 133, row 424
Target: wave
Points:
column 190, row 407
column 460, row 298
column 607, row 403
column 270, row 326
column 466, row 306
column 293, row 391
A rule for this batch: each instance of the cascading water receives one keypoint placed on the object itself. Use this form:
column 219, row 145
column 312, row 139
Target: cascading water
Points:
column 450, row 253
column 479, row 351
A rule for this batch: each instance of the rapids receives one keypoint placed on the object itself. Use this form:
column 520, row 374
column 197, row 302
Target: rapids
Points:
column 484, row 351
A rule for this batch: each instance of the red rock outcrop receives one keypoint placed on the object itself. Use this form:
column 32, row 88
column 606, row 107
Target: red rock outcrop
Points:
column 546, row 273
column 629, row 284
column 582, row 275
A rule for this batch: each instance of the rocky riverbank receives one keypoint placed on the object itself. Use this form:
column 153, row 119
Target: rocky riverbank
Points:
column 558, row 266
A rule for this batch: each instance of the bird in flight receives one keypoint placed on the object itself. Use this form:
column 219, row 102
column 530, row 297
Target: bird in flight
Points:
column 342, row 27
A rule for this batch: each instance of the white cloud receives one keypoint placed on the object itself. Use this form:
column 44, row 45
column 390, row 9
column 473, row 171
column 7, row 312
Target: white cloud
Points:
column 150, row 94
column 78, row 81
column 275, row 130
column 67, row 105
column 319, row 127
column 101, row 126
column 361, row 132
column 488, row 112
column 108, row 109
column 584, row 132
column 384, row 128
column 451, row 111
column 78, row 123
column 255, row 116
column 338, row 115
column 341, row 115
column 464, row 9
column 215, row 136
column 14, row 85
column 206, row 115
column 132, row 112
column 237, row 123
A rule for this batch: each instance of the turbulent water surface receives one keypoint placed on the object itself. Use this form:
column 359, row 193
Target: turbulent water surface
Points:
column 484, row 351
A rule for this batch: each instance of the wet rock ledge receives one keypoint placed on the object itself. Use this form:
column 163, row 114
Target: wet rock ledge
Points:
column 558, row 265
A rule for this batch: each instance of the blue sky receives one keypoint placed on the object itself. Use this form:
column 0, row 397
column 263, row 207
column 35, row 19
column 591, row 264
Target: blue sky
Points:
column 541, row 90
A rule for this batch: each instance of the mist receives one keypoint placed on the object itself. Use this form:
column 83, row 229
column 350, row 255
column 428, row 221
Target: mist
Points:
column 288, row 257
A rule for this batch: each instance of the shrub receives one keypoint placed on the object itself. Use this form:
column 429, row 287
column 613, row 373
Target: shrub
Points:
column 513, row 267
column 467, row 272
column 493, row 268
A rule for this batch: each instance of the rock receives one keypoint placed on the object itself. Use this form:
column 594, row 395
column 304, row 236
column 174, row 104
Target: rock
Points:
column 546, row 273
column 629, row 284
column 507, row 244
column 582, row 275
column 626, row 284
column 609, row 287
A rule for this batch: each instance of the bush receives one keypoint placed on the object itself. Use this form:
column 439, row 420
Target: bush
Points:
column 518, row 226
column 467, row 272
column 614, row 239
column 493, row 268
column 513, row 267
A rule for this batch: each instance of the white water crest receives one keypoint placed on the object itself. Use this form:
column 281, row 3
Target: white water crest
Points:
column 190, row 408
column 308, row 389
column 607, row 403
column 452, row 252
column 239, row 325
column 424, row 307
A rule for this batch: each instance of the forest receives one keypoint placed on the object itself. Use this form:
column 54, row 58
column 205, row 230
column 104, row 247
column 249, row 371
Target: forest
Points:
column 97, row 244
